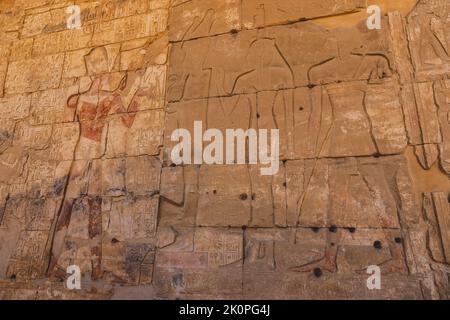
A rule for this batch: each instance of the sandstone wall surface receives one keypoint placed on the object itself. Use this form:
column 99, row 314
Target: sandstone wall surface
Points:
column 86, row 177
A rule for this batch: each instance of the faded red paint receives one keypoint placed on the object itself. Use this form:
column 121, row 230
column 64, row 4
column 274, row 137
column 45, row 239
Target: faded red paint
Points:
column 94, row 117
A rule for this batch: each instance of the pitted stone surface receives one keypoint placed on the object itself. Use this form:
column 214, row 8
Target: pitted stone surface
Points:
column 86, row 176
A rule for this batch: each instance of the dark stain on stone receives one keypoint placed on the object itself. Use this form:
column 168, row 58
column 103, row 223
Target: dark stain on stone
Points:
column 4, row 136
column 377, row 245
column 2, row 213
column 137, row 255
column 178, row 280
column 318, row 272
column 58, row 186
column 69, row 245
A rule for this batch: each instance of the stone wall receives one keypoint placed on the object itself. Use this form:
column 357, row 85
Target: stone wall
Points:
column 86, row 176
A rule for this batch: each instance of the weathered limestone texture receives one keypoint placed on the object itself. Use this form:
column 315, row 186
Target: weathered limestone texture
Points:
column 86, row 178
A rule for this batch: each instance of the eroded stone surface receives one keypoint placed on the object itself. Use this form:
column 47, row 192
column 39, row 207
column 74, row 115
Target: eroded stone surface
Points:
column 86, row 176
